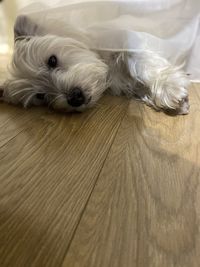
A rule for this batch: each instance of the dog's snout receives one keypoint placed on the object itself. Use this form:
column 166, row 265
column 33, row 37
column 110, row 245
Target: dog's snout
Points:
column 76, row 98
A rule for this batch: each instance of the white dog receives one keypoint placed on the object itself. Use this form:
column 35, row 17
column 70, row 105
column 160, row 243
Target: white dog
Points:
column 65, row 74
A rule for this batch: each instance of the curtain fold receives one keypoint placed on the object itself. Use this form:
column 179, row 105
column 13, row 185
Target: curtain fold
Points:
column 170, row 27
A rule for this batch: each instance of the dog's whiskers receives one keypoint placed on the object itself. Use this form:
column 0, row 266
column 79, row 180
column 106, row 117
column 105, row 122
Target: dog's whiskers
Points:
column 53, row 101
column 28, row 99
column 21, row 91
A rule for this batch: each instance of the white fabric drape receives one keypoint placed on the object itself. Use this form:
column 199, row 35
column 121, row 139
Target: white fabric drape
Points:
column 170, row 27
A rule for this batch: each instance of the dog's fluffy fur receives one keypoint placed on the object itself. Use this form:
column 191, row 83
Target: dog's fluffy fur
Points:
column 144, row 75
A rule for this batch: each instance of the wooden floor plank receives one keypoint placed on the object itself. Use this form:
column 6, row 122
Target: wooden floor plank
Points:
column 47, row 173
column 144, row 209
column 13, row 120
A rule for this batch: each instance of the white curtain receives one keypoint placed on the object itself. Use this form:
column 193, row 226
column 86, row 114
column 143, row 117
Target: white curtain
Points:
column 170, row 27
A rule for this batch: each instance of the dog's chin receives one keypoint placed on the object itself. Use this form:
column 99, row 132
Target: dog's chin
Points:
column 62, row 105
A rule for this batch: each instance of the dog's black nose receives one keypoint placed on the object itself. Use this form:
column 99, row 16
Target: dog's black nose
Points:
column 76, row 98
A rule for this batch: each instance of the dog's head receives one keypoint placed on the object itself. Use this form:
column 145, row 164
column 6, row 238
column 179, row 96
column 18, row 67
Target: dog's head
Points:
column 62, row 72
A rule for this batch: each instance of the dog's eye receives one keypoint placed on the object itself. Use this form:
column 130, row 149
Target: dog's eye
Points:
column 40, row 96
column 52, row 62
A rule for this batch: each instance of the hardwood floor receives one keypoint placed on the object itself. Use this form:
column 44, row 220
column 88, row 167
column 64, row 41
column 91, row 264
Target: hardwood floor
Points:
column 116, row 186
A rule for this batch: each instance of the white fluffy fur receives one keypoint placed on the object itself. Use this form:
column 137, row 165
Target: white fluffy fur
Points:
column 141, row 74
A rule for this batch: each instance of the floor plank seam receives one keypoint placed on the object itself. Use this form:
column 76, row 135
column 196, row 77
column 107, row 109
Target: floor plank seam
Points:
column 85, row 206
column 11, row 139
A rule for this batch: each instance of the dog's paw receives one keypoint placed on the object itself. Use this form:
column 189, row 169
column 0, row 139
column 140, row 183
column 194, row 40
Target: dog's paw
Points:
column 172, row 94
column 174, row 100
column 184, row 106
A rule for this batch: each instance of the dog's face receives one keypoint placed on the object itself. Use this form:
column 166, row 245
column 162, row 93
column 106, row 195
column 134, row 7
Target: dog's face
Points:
column 62, row 72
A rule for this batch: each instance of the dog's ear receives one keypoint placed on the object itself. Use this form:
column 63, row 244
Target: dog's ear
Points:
column 24, row 28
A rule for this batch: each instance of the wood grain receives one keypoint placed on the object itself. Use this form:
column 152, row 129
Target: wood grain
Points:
column 144, row 209
column 47, row 173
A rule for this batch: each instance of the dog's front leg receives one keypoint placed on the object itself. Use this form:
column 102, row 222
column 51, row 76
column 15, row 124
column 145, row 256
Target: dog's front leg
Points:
column 167, row 85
